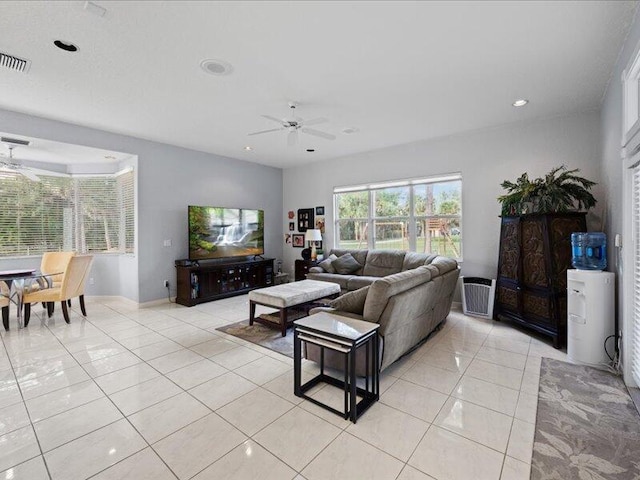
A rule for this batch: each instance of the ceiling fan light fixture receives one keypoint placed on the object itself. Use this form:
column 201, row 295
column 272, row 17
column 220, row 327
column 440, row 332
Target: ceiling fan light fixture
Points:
column 311, row 150
column 216, row 67
column 521, row 102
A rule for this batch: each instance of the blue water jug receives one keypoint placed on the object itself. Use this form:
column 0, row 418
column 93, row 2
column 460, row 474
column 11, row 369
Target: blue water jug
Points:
column 589, row 250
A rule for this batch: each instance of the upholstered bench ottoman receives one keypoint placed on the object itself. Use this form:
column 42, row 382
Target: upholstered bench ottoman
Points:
column 289, row 295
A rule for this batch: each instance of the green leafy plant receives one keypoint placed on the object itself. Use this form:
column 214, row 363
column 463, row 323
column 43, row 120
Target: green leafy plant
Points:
column 560, row 190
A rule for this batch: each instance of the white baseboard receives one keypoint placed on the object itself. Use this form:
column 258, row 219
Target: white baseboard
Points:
column 133, row 303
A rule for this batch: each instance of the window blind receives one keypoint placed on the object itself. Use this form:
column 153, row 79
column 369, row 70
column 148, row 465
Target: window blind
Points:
column 86, row 214
column 635, row 352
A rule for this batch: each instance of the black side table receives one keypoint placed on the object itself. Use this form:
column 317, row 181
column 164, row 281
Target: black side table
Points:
column 342, row 335
column 302, row 268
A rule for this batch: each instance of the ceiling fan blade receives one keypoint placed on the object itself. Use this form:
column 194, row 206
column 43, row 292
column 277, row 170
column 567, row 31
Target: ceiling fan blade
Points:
column 315, row 121
column 318, row 133
column 292, row 138
column 274, row 119
column 29, row 174
column 265, row 131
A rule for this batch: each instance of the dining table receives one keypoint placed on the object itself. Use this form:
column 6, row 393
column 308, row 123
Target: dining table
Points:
column 17, row 281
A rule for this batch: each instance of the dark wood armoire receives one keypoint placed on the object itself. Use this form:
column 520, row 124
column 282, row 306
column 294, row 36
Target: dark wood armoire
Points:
column 535, row 253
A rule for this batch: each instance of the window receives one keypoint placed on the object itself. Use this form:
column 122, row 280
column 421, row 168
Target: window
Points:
column 421, row 215
column 86, row 214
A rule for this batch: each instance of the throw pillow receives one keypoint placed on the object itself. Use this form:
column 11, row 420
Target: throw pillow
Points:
column 326, row 264
column 352, row 302
column 345, row 264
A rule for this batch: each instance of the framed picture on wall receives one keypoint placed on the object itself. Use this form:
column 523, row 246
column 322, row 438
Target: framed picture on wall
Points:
column 319, row 210
column 305, row 219
column 292, row 226
column 298, row 240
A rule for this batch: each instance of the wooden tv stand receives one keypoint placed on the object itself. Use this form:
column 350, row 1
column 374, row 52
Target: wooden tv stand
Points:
column 215, row 280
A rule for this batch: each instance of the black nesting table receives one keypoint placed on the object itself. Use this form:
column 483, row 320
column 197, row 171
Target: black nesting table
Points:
column 342, row 335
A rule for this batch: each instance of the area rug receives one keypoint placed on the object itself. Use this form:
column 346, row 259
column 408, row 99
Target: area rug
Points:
column 259, row 334
column 587, row 426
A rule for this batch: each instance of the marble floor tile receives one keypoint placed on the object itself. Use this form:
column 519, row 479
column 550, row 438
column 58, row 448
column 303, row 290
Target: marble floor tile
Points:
column 111, row 364
column 34, row 387
column 96, row 352
column 17, row 447
column 521, row 441
column 502, row 357
column 125, row 378
column 254, row 411
column 509, row 345
column 486, row 394
column 283, row 386
column 476, row 423
column 174, row 361
column 221, row 390
column 62, row 400
column 350, row 457
column 445, row 455
column 66, row 426
column 157, row 349
column 33, row 469
column 142, row 340
column 247, row 461
column 196, row 373
column 263, row 370
column 193, row 448
column 410, row 473
column 214, row 347
column 446, row 359
column 297, row 437
column 443, row 381
column 527, row 407
column 513, row 469
column 144, row 465
column 490, row 372
column 145, row 394
column 54, row 365
column 391, row 430
column 88, row 455
column 13, row 417
column 175, row 412
column 421, row 402
column 232, row 359
column 331, row 396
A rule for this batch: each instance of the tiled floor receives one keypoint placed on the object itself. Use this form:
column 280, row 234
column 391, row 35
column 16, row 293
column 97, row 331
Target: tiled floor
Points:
column 157, row 393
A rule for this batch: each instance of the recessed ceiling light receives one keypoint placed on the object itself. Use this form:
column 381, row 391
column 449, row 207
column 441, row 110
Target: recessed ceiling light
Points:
column 66, row 46
column 521, row 102
column 216, row 67
column 248, row 148
column 311, row 150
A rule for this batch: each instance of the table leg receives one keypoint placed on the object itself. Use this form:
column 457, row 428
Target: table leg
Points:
column 283, row 320
column 352, row 374
column 18, row 286
column 297, row 364
column 252, row 311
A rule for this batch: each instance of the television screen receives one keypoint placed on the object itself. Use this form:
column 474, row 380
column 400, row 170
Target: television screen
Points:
column 217, row 232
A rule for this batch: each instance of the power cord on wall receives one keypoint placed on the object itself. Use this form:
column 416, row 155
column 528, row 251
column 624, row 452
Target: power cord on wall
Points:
column 166, row 284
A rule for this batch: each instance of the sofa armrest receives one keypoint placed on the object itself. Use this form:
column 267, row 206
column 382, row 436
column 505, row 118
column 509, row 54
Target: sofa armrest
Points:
column 322, row 309
column 316, row 270
column 335, row 312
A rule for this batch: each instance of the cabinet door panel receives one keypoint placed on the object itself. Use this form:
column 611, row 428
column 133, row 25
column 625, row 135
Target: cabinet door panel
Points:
column 537, row 308
column 560, row 230
column 534, row 264
column 509, row 259
column 508, row 298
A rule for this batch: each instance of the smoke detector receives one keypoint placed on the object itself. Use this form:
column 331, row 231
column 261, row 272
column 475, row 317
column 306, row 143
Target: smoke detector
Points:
column 216, row 67
column 14, row 63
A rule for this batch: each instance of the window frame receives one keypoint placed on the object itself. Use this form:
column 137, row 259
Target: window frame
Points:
column 412, row 218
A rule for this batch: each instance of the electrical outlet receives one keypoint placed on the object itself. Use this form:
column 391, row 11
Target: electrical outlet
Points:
column 91, row 281
column 166, row 283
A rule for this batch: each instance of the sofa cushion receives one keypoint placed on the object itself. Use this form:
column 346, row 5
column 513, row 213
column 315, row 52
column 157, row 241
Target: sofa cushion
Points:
column 352, row 302
column 414, row 260
column 331, row 277
column 345, row 264
column 359, row 281
column 381, row 263
column 359, row 255
column 326, row 264
column 384, row 288
column 444, row 264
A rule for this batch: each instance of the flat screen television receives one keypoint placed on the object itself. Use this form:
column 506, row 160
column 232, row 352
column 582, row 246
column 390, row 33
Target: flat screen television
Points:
column 219, row 232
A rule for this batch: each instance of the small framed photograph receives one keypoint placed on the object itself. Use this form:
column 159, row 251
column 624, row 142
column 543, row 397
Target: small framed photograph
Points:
column 320, row 224
column 318, row 244
column 305, row 219
column 292, row 226
column 298, row 240
column 319, row 210
column 287, row 238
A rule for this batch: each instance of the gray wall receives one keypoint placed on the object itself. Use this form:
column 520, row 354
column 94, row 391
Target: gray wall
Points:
column 612, row 167
column 169, row 179
column 485, row 158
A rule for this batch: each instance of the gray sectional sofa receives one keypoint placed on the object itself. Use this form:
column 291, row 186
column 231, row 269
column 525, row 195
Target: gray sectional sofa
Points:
column 408, row 294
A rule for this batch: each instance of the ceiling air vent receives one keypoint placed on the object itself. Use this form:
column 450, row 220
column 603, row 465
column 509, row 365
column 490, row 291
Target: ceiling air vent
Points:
column 14, row 141
column 14, row 63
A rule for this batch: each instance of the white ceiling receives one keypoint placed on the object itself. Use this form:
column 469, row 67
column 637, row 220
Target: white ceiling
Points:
column 397, row 71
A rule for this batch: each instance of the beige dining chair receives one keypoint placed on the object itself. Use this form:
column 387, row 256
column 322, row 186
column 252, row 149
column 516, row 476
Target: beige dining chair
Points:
column 72, row 285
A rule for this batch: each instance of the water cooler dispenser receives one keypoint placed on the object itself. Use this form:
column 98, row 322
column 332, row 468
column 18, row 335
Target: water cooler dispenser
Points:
column 590, row 314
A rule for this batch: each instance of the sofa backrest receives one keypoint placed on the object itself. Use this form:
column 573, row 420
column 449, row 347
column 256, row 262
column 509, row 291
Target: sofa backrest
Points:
column 414, row 260
column 384, row 288
column 381, row 263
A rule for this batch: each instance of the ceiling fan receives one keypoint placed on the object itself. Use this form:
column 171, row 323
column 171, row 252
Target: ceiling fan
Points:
column 295, row 125
column 31, row 173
